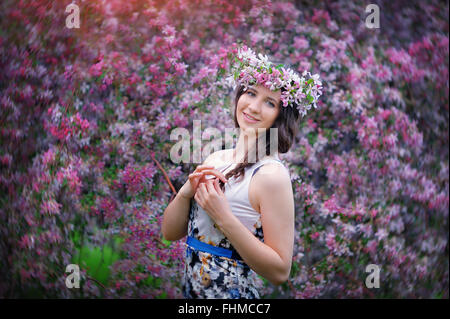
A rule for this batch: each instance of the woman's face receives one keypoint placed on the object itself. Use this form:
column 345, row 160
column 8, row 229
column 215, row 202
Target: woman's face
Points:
column 258, row 107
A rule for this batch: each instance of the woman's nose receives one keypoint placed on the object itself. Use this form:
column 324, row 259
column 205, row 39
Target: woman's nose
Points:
column 254, row 106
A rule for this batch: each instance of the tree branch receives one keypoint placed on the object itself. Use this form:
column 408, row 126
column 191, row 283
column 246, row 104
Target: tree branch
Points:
column 152, row 155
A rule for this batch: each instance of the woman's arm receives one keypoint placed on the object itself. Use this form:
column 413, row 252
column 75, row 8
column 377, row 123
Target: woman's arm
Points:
column 175, row 218
column 273, row 258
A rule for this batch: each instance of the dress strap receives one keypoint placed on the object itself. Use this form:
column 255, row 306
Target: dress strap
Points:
column 261, row 164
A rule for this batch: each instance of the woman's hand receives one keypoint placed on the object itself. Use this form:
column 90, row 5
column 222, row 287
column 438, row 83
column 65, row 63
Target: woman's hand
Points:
column 198, row 177
column 210, row 197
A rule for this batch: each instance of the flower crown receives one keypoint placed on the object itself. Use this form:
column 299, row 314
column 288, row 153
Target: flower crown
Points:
column 250, row 69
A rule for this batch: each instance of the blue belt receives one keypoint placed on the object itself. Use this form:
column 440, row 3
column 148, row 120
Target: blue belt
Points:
column 218, row 251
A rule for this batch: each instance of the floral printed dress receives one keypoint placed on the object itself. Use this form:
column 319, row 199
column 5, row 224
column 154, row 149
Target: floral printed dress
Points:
column 211, row 276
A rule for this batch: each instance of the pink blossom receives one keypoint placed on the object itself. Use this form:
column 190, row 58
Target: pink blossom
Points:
column 96, row 69
column 136, row 178
column 27, row 241
column 48, row 157
column 180, row 68
column 6, row 159
column 320, row 15
column 315, row 235
column 372, row 246
column 50, row 207
column 109, row 206
column 300, row 43
column 389, row 141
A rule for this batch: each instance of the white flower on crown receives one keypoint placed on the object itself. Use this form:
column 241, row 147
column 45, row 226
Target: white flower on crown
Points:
column 264, row 59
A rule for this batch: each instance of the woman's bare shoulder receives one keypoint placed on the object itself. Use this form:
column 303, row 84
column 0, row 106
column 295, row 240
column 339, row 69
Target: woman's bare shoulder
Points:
column 269, row 182
column 273, row 176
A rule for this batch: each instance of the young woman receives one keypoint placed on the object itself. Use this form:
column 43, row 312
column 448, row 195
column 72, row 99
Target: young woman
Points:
column 239, row 215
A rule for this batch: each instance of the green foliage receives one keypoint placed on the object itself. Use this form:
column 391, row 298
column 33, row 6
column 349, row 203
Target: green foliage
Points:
column 96, row 260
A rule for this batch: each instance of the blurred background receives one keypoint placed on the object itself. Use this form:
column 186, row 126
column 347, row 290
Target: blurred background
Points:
column 86, row 115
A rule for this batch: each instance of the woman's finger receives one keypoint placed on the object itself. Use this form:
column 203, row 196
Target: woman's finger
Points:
column 217, row 187
column 203, row 167
column 201, row 192
column 194, row 179
column 215, row 173
column 202, row 188
column 197, row 197
column 210, row 186
column 194, row 176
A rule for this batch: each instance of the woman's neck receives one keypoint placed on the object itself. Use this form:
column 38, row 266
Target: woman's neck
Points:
column 246, row 142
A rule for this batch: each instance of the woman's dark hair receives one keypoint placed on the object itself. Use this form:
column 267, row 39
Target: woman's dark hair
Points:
column 287, row 124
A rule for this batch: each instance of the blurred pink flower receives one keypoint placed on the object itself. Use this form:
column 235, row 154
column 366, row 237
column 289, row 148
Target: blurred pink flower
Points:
column 50, row 207
column 300, row 43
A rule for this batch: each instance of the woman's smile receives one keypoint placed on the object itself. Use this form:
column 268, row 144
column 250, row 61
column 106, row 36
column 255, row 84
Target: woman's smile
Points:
column 249, row 118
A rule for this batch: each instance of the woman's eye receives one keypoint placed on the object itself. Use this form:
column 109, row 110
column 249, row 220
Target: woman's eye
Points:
column 253, row 94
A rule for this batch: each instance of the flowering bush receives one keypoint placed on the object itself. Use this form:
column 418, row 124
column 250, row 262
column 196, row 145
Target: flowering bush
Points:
column 86, row 116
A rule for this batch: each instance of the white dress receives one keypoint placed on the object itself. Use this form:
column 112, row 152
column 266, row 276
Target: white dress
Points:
column 211, row 276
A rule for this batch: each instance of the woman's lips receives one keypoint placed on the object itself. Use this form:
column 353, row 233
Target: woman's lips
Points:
column 250, row 119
